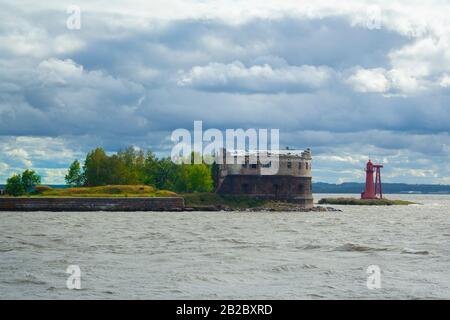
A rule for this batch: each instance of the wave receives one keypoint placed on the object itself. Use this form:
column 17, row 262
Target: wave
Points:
column 292, row 267
column 31, row 244
column 413, row 251
column 286, row 268
column 27, row 279
column 234, row 241
column 352, row 247
column 308, row 247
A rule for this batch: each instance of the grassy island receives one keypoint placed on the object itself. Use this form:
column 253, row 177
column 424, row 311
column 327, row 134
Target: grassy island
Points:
column 364, row 202
column 102, row 192
column 68, row 199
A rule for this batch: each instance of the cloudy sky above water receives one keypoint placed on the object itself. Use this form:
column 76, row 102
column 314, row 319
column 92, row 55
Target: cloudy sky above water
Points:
column 349, row 80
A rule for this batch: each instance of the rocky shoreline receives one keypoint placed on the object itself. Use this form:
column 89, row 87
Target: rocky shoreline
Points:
column 177, row 204
column 279, row 208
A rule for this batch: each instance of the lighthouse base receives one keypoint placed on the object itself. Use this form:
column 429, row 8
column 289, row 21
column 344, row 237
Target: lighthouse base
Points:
column 369, row 196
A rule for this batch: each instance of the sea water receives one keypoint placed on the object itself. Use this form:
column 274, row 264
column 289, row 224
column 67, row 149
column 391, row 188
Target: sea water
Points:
column 230, row 255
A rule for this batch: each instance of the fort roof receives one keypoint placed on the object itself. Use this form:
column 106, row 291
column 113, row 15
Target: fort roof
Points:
column 288, row 152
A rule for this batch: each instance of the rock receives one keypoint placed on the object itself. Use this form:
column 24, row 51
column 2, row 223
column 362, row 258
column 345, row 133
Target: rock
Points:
column 333, row 209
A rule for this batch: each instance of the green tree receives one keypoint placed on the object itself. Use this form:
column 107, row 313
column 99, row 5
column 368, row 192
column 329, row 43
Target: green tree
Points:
column 180, row 180
column 74, row 176
column 167, row 174
column 30, row 179
column 96, row 168
column 118, row 172
column 14, row 186
column 133, row 161
column 150, row 170
column 199, row 178
column 133, row 166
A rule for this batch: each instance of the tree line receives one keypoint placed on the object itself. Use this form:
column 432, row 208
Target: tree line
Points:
column 126, row 167
column 133, row 167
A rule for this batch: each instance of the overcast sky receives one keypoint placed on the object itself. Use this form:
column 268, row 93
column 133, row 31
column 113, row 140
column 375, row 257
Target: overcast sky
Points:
column 349, row 79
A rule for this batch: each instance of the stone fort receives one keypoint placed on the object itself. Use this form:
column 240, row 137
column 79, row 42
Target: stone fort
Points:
column 291, row 182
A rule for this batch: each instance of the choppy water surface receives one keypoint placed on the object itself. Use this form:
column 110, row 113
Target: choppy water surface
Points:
column 150, row 255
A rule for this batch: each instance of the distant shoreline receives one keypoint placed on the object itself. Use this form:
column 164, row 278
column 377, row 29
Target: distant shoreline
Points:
column 356, row 188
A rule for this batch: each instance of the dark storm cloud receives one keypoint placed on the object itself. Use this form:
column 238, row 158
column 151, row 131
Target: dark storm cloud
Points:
column 329, row 41
column 115, row 84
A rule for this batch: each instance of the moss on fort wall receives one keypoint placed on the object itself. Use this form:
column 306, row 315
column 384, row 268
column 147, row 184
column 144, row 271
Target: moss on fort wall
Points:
column 214, row 199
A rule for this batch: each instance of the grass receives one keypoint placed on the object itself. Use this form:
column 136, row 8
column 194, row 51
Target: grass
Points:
column 213, row 199
column 197, row 199
column 364, row 202
column 105, row 191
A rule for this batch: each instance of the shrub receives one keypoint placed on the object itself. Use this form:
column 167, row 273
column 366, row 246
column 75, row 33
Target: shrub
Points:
column 14, row 186
column 41, row 189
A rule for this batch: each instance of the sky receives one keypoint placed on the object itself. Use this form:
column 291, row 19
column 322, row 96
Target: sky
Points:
column 350, row 80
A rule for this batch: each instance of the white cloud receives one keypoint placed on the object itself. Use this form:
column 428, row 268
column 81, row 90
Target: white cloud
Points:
column 67, row 43
column 49, row 157
column 19, row 155
column 37, row 149
column 444, row 81
column 369, row 80
column 52, row 176
column 418, row 173
column 382, row 81
column 255, row 78
column 22, row 37
column 408, row 17
column 59, row 71
column 353, row 159
column 402, row 81
column 3, row 167
column 424, row 57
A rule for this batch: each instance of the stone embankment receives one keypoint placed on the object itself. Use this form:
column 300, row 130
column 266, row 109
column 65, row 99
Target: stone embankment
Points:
column 92, row 204
column 279, row 207
column 138, row 204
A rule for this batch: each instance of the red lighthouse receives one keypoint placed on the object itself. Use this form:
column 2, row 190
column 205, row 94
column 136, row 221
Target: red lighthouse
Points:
column 373, row 190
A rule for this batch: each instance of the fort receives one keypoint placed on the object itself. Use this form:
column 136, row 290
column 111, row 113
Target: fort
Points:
column 291, row 182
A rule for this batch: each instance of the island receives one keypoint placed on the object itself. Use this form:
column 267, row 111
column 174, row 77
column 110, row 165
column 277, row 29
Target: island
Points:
column 141, row 198
column 364, row 202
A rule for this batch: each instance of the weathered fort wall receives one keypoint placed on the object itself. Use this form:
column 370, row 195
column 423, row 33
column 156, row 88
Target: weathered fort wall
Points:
column 276, row 187
column 92, row 204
